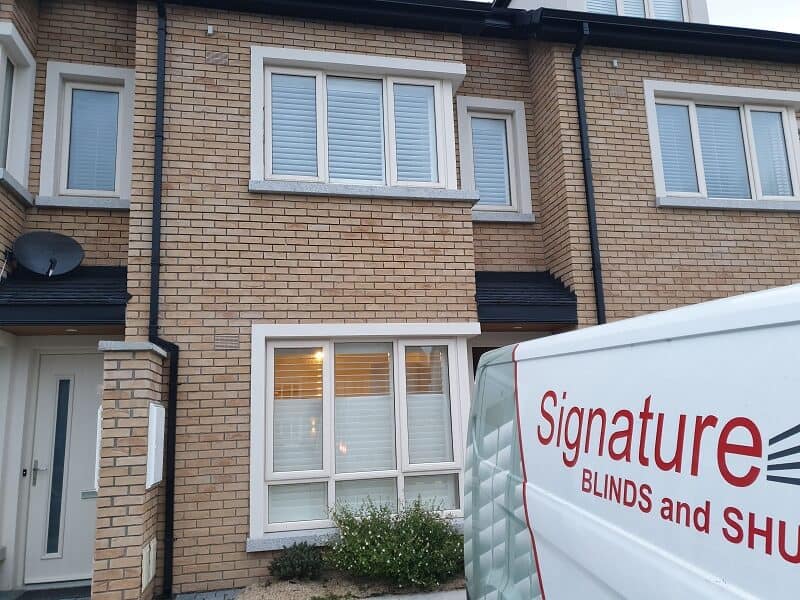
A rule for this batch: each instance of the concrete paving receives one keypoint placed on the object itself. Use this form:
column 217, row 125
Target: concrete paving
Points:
column 453, row 595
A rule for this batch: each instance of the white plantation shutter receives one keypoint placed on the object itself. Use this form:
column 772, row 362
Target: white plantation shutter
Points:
column 430, row 436
column 355, row 130
column 355, row 494
column 490, row 161
column 297, row 412
column 435, row 491
column 297, row 502
column 363, row 408
column 415, row 133
column 634, row 8
column 722, row 145
column 93, row 140
column 773, row 159
column 670, row 10
column 608, row 7
column 5, row 111
column 677, row 151
column 294, row 125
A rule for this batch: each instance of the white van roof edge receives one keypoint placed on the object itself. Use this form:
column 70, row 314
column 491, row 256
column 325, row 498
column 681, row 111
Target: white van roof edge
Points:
column 757, row 309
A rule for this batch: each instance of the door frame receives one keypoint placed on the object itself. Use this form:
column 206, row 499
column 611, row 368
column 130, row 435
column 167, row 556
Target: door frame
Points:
column 28, row 352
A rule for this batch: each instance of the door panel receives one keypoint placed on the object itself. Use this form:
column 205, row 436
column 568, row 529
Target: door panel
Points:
column 61, row 514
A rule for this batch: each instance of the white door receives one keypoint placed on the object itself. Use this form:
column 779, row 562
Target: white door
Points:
column 61, row 515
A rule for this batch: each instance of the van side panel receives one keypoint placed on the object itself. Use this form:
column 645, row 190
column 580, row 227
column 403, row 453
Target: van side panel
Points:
column 665, row 468
column 499, row 557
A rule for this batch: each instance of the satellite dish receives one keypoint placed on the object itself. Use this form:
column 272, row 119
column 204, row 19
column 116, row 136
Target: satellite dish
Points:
column 48, row 253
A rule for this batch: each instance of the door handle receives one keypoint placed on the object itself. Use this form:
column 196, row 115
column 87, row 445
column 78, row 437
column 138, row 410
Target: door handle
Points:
column 35, row 471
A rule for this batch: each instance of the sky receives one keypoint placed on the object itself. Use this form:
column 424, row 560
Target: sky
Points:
column 777, row 15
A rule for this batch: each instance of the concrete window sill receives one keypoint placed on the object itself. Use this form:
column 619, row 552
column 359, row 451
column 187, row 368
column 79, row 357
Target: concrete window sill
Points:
column 83, row 202
column 499, row 216
column 730, row 204
column 16, row 189
column 362, row 191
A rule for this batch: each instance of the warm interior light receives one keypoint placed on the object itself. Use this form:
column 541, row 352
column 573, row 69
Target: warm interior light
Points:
column 318, row 355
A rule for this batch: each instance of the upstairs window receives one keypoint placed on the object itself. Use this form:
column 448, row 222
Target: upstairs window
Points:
column 5, row 108
column 353, row 130
column 17, row 74
column 718, row 149
column 670, row 10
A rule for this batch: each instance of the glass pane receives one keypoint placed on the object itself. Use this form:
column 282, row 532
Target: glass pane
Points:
column 5, row 111
column 677, row 152
column 297, row 502
column 724, row 158
column 355, row 130
column 297, row 417
column 415, row 133
column 437, row 491
column 364, row 408
column 430, row 436
column 294, row 125
column 773, row 159
column 355, row 494
column 608, row 7
column 634, row 8
column 93, row 141
column 671, row 10
column 59, row 457
column 490, row 160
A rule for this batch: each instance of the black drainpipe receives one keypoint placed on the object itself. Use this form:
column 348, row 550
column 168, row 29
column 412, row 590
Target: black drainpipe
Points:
column 588, row 179
column 171, row 349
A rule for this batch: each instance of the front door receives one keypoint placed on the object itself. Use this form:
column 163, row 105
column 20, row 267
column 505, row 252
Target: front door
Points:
column 61, row 515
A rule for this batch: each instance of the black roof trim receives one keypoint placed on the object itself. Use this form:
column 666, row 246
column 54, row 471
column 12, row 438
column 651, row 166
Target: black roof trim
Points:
column 524, row 297
column 86, row 296
column 666, row 36
column 497, row 20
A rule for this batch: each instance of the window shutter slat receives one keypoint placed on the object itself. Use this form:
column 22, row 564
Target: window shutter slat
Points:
column 490, row 160
column 355, row 130
column 415, row 133
column 773, row 159
column 294, row 125
column 93, row 140
column 677, row 152
column 297, row 413
column 430, row 436
column 439, row 492
column 364, row 408
column 724, row 159
column 670, row 10
column 634, row 8
column 297, row 502
column 608, row 7
column 355, row 494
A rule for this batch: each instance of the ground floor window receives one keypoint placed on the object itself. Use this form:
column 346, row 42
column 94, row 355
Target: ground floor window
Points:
column 349, row 420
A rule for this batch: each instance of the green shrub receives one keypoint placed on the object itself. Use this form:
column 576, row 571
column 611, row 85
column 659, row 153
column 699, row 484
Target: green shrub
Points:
column 415, row 548
column 299, row 561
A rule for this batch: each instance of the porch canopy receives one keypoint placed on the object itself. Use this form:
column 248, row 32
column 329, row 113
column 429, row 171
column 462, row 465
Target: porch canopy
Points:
column 85, row 296
column 533, row 298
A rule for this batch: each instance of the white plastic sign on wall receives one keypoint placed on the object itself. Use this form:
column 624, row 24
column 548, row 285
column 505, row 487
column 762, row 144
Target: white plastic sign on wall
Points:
column 668, row 465
column 155, row 444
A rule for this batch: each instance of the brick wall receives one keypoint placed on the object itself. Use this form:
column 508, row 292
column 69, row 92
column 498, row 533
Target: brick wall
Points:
column 128, row 515
column 232, row 258
column 658, row 258
column 499, row 69
column 23, row 14
column 12, row 215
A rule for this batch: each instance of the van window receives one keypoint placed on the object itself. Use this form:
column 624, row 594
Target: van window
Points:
column 496, row 431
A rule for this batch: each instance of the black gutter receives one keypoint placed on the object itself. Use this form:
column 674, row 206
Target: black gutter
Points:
column 588, row 176
column 172, row 350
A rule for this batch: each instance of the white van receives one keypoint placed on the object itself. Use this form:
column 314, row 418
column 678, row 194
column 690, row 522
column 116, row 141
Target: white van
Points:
column 653, row 458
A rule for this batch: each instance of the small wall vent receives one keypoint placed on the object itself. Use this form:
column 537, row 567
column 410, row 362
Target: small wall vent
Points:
column 226, row 341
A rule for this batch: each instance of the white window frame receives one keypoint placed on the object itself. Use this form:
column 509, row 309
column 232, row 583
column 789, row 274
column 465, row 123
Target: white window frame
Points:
column 513, row 112
column 443, row 76
column 66, row 124
column 649, row 9
column 266, row 338
column 61, row 79
column 13, row 48
column 746, row 100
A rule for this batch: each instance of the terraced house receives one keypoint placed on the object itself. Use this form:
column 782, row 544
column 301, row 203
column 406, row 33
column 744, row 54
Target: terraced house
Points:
column 254, row 247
